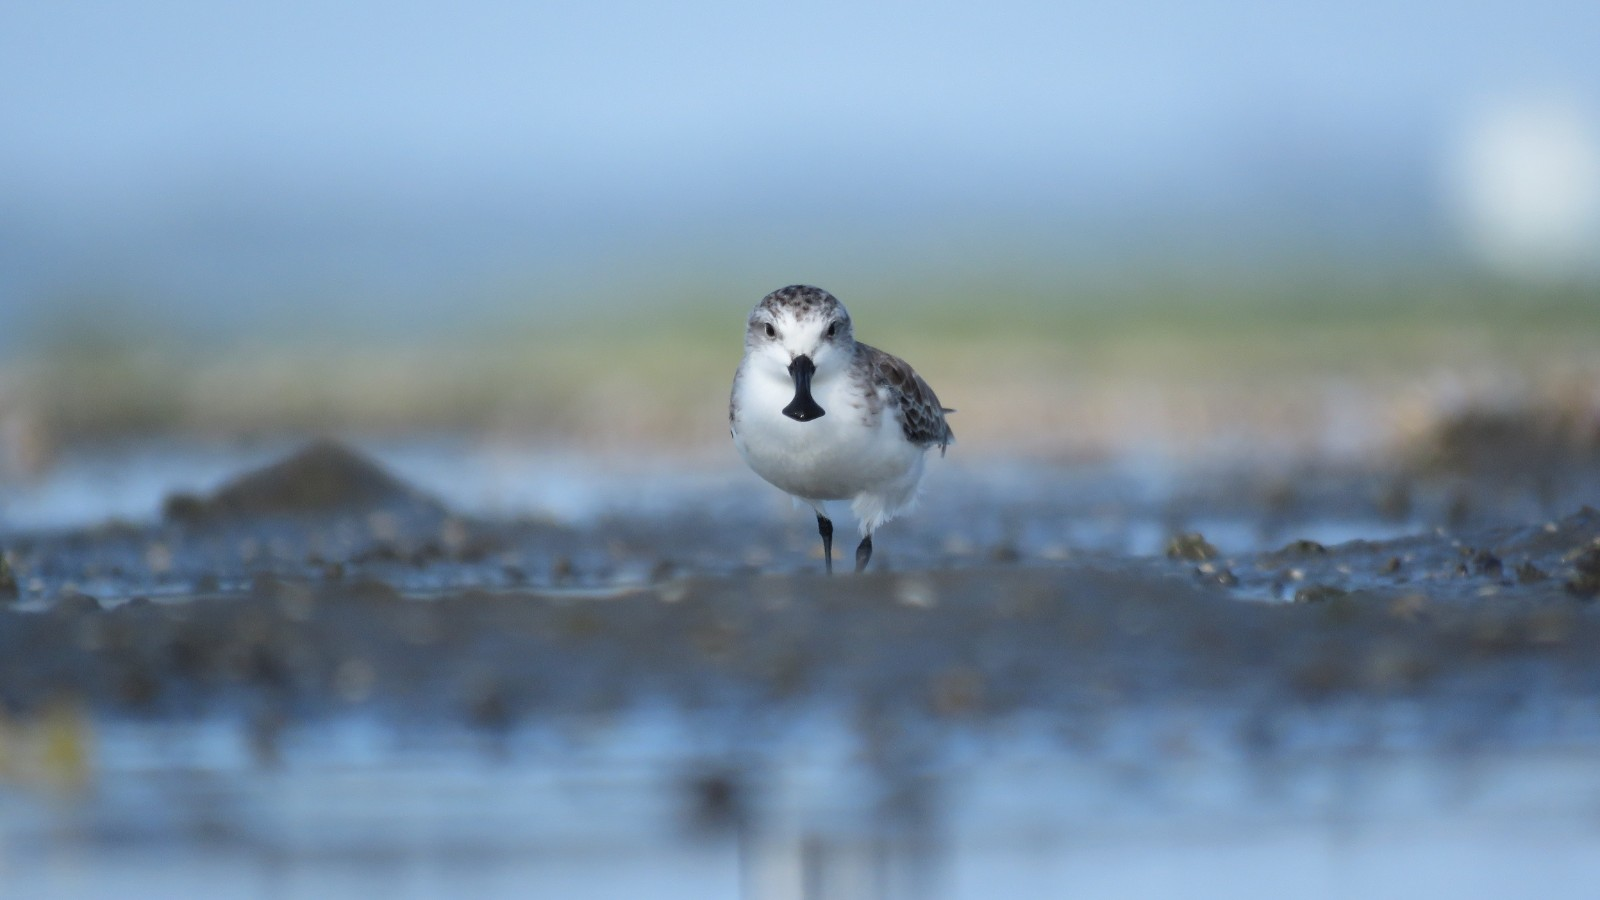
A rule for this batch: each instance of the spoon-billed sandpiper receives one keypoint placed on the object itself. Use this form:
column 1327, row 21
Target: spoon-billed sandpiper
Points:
column 824, row 417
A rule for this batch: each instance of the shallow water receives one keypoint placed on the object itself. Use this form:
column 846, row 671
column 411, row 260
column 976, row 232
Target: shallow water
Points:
column 621, row 810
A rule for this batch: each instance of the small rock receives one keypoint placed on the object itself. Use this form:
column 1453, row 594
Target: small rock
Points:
column 1319, row 593
column 8, row 579
column 1303, row 548
column 73, row 602
column 1192, row 546
column 1584, row 587
column 1223, row 577
column 1585, row 582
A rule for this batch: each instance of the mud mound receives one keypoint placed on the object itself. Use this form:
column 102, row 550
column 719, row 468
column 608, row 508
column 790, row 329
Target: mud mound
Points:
column 1484, row 441
column 324, row 478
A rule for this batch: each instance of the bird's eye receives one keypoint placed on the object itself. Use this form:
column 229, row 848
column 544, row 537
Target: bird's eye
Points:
column 833, row 328
column 771, row 332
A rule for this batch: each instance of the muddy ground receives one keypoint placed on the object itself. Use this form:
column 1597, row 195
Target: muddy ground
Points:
column 1443, row 601
column 273, row 591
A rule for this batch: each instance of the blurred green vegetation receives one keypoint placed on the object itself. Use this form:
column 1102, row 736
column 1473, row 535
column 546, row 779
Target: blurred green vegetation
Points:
column 655, row 365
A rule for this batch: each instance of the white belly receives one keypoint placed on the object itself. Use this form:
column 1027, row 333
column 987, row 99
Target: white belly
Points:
column 848, row 454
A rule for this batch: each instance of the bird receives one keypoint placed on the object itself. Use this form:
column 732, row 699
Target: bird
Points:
column 826, row 418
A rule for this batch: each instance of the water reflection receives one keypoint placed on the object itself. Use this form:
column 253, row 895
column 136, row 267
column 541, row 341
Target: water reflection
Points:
column 353, row 809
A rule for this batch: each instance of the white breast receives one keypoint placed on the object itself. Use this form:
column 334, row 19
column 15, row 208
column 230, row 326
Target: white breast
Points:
column 851, row 453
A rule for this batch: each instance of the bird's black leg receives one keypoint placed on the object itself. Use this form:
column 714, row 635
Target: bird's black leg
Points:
column 825, row 528
column 863, row 552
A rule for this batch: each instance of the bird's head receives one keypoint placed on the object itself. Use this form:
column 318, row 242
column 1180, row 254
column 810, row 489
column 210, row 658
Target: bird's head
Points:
column 802, row 332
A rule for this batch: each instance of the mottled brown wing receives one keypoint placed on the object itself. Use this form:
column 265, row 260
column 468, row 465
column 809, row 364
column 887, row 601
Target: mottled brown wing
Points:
column 920, row 413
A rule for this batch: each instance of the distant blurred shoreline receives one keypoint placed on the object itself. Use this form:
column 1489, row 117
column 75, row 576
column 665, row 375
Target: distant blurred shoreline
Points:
column 1058, row 371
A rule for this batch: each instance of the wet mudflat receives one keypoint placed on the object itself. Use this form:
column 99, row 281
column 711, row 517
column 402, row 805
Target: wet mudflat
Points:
column 322, row 678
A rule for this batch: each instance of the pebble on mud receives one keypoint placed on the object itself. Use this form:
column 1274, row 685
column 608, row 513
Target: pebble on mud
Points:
column 1319, row 593
column 73, row 602
column 1210, row 574
column 1191, row 546
column 1585, row 580
column 1487, row 564
column 1583, row 586
column 1303, row 548
column 8, row 579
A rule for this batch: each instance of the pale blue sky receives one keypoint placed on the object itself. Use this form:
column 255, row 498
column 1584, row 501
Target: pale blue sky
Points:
column 193, row 146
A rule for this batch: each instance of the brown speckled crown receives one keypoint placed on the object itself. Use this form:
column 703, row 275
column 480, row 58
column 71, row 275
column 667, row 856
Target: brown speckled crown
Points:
column 800, row 299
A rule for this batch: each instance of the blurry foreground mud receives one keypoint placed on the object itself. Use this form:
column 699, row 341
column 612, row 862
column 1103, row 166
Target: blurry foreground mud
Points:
column 322, row 583
column 1457, row 619
column 1076, row 639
